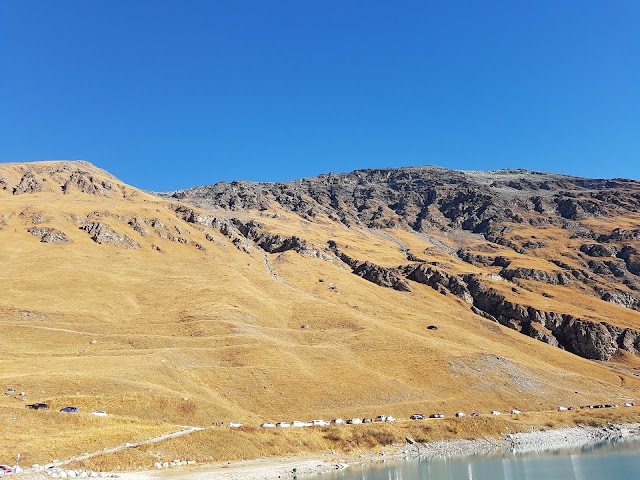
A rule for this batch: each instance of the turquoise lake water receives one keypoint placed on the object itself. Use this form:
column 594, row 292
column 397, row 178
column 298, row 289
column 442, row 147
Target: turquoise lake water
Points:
column 611, row 460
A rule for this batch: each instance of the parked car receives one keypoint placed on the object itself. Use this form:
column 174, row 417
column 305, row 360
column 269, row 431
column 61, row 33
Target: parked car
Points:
column 436, row 415
column 282, row 425
column 354, row 421
column 235, row 424
column 99, row 413
column 515, row 411
column 268, row 425
column 338, row 421
column 628, row 404
column 461, row 414
column 4, row 469
column 417, row 416
column 298, row 423
column 319, row 423
column 366, row 420
column 391, row 419
column 496, row 412
column 562, row 408
column 69, row 409
column 380, row 418
column 38, row 406
column 475, row 414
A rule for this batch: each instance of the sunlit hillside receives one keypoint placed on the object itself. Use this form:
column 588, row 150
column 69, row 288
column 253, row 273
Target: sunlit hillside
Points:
column 164, row 313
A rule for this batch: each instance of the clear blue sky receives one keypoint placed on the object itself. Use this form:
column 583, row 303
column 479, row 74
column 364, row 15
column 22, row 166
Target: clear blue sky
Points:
column 168, row 94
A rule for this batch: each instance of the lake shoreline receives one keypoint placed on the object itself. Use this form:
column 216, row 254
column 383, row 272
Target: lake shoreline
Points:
column 279, row 468
column 302, row 466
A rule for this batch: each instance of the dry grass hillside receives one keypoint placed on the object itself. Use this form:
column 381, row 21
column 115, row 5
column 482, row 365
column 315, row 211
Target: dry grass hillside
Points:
column 118, row 300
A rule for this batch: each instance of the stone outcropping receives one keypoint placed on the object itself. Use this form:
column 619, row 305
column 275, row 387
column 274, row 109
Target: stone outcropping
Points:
column 87, row 183
column 49, row 235
column 385, row 277
column 104, row 235
column 29, row 183
column 583, row 337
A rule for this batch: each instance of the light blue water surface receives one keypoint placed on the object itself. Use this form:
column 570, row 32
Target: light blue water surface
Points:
column 610, row 460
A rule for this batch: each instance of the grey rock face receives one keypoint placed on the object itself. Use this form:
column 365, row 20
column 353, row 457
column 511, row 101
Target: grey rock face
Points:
column 552, row 278
column 29, row 183
column 87, row 183
column 622, row 298
column 598, row 250
column 104, row 235
column 430, row 197
column 49, row 235
column 582, row 337
column 385, row 277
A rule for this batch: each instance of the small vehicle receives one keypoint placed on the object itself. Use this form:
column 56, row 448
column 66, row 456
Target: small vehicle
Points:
column 436, row 415
column 354, row 421
column 99, row 413
column 69, row 409
column 562, row 408
column 319, row 423
column 496, row 412
column 38, row 406
column 268, row 425
column 515, row 411
column 235, row 424
column 338, row 421
column 4, row 469
column 475, row 414
column 461, row 414
column 366, row 420
column 380, row 418
column 282, row 425
column 298, row 423
column 391, row 419
column 417, row 416
column 628, row 404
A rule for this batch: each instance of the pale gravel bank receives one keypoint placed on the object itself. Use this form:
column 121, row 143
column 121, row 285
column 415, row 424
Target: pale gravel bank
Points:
column 289, row 468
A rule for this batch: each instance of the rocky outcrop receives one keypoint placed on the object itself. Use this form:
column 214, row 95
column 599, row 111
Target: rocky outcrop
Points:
column 631, row 259
column 104, row 235
column 29, row 183
column 49, row 235
column 584, row 338
column 139, row 226
column 438, row 280
column 620, row 235
column 385, row 277
column 482, row 260
column 86, row 183
column 552, row 278
column 621, row 297
column 598, row 250
column 271, row 243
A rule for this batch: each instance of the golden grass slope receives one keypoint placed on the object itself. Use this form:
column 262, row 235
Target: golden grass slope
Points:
column 196, row 331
